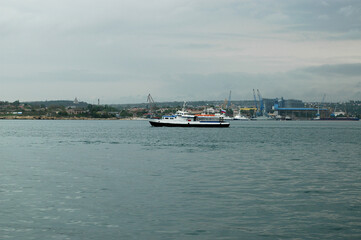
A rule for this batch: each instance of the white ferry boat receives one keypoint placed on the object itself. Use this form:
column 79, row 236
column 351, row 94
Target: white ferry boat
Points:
column 184, row 119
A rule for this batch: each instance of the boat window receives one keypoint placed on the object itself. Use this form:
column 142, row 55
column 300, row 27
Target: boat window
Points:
column 166, row 118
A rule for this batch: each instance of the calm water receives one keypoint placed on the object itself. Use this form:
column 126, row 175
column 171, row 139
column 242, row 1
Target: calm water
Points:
column 127, row 180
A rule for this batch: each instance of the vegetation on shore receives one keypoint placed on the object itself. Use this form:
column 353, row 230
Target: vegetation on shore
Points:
column 59, row 110
column 83, row 110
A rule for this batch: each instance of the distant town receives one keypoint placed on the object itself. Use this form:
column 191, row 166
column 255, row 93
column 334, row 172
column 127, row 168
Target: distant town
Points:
column 278, row 107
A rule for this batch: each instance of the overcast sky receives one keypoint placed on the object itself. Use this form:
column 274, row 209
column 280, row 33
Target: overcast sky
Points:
column 121, row 50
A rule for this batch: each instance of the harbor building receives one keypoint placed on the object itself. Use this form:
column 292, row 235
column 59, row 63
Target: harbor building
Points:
column 296, row 110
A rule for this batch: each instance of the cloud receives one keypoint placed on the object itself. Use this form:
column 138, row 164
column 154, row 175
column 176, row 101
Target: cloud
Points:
column 177, row 48
column 331, row 17
column 335, row 70
column 277, row 17
column 339, row 82
column 323, row 17
column 348, row 11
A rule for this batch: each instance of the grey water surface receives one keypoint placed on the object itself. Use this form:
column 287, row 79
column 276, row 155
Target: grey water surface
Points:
column 127, row 180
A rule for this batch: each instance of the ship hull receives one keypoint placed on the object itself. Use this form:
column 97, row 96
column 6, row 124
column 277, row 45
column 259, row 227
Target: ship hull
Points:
column 190, row 124
column 339, row 119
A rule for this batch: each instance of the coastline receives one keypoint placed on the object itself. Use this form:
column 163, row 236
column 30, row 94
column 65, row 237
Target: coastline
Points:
column 62, row 118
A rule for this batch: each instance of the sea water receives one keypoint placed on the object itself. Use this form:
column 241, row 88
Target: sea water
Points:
column 128, row 180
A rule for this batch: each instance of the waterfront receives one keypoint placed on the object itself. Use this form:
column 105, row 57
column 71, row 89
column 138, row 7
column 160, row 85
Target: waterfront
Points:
column 127, row 180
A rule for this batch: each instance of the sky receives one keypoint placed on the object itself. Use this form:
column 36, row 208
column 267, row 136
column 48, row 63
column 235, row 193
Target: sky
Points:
column 119, row 51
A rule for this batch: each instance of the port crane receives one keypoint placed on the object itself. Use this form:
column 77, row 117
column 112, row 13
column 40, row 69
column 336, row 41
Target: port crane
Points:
column 255, row 100
column 151, row 105
column 229, row 100
column 333, row 114
column 261, row 105
column 321, row 104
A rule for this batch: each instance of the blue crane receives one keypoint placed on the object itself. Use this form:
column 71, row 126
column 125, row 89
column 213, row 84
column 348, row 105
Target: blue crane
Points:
column 333, row 114
column 261, row 105
column 255, row 100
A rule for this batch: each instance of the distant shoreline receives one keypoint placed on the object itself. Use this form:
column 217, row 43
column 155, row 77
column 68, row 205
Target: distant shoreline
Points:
column 61, row 118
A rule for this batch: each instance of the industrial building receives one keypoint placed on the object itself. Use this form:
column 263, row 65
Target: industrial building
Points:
column 295, row 109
